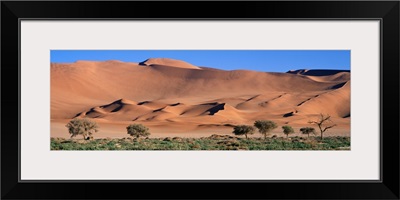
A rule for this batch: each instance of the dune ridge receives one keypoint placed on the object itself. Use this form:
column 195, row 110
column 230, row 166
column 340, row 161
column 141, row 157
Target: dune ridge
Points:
column 168, row 62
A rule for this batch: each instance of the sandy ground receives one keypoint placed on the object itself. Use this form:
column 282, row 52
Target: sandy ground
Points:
column 118, row 130
column 175, row 98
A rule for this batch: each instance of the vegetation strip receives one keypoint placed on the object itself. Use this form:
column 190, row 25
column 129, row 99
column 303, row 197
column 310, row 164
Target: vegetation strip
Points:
column 214, row 142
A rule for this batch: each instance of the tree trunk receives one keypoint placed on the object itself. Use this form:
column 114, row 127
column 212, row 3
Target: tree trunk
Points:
column 320, row 129
column 265, row 136
column 287, row 135
column 246, row 136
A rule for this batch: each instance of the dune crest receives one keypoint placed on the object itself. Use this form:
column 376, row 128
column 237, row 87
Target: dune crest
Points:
column 168, row 62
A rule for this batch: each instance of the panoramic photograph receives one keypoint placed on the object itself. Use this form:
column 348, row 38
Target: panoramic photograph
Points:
column 200, row 100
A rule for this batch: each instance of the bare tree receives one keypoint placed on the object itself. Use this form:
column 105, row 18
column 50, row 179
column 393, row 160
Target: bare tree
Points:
column 322, row 123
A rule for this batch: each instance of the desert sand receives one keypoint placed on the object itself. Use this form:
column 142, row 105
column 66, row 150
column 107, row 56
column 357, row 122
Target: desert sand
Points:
column 176, row 98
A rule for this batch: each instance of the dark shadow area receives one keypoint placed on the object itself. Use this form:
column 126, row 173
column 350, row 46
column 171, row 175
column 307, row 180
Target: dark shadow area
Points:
column 216, row 109
column 143, row 102
column 316, row 72
column 338, row 86
column 158, row 110
column 288, row 114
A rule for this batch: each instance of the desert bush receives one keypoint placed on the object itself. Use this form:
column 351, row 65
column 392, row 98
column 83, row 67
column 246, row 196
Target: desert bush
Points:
column 308, row 130
column 243, row 130
column 287, row 130
column 83, row 127
column 138, row 130
column 265, row 127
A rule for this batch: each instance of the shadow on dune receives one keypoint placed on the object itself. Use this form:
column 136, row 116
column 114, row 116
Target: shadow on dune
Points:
column 216, row 109
column 338, row 85
column 316, row 72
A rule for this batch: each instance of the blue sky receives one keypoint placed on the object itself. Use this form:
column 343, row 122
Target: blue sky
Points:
column 258, row 60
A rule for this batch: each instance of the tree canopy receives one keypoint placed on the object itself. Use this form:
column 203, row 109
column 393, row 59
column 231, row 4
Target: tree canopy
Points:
column 83, row 127
column 243, row 130
column 265, row 126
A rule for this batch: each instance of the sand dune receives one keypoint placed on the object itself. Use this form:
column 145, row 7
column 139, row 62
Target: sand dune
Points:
column 338, row 99
column 173, row 96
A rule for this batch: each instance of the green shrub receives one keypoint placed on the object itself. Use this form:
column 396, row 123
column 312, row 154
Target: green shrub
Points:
column 138, row 130
column 236, row 143
column 287, row 130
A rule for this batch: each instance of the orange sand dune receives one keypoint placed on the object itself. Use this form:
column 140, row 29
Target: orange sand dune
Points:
column 175, row 97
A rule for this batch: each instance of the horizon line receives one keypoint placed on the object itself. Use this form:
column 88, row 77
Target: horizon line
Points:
column 201, row 66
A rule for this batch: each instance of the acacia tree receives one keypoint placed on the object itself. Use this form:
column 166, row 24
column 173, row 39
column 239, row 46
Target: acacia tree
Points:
column 265, row 127
column 83, row 127
column 243, row 130
column 287, row 130
column 138, row 130
column 322, row 123
column 307, row 130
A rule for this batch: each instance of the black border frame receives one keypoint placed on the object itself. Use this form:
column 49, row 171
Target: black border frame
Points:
column 386, row 11
column 222, row 180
